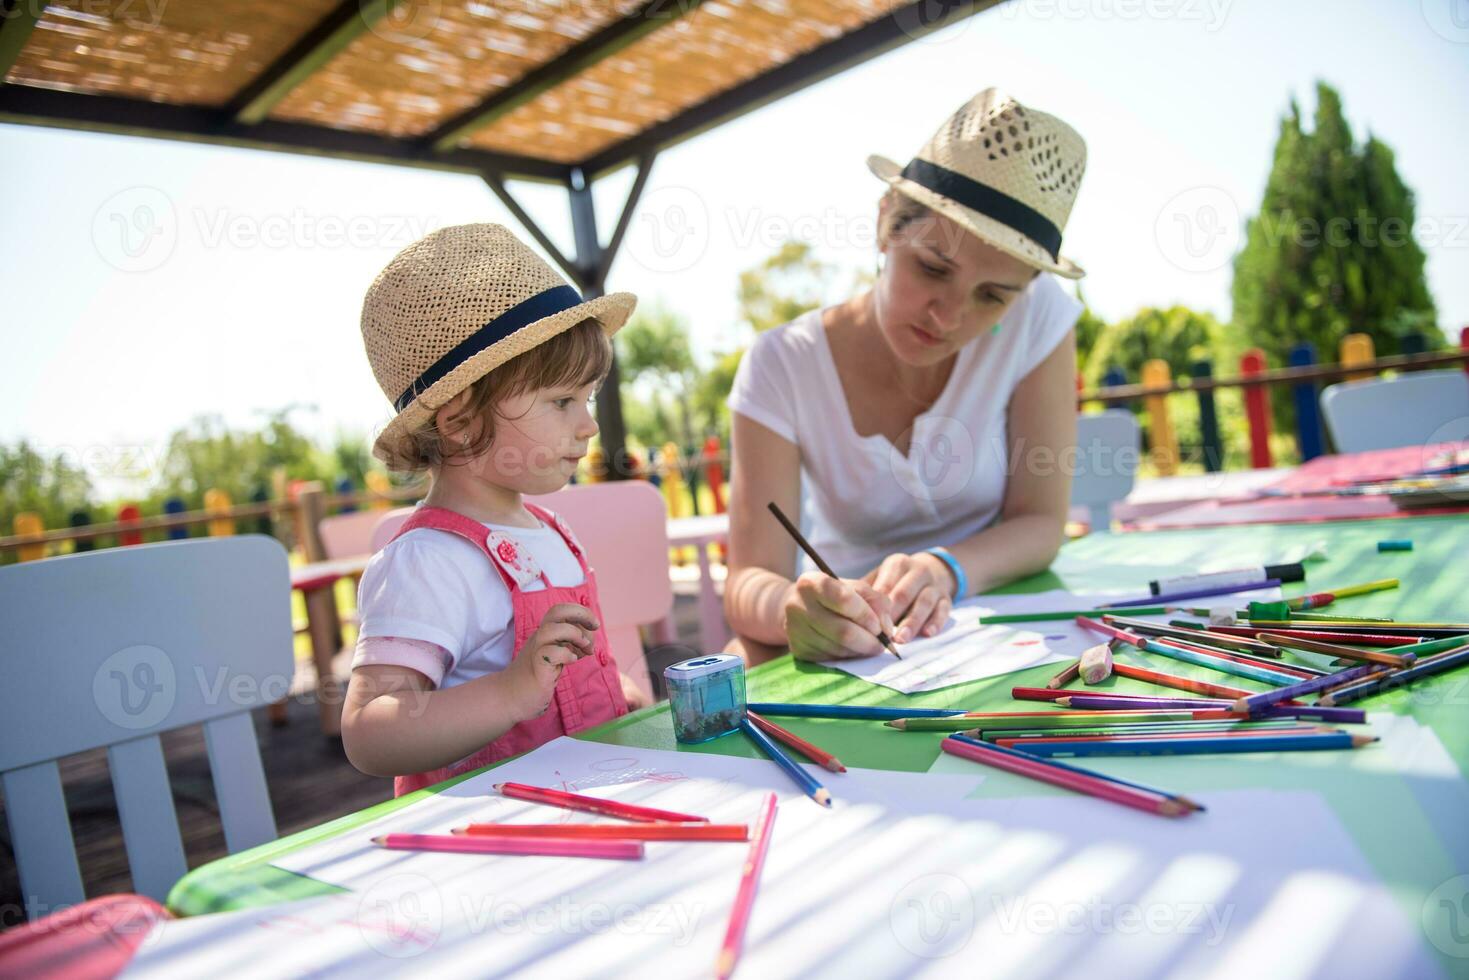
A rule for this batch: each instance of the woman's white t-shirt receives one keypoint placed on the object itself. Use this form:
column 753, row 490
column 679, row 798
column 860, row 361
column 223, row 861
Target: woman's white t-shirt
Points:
column 862, row 500
column 436, row 587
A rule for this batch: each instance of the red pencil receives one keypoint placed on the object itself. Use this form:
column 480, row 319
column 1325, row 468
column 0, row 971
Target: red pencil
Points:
column 610, row 831
column 543, row 847
column 739, row 916
column 1067, row 778
column 815, row 753
column 1020, row 743
column 1177, row 683
column 592, row 804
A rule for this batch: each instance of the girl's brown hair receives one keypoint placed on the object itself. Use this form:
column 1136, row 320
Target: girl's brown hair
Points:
column 575, row 357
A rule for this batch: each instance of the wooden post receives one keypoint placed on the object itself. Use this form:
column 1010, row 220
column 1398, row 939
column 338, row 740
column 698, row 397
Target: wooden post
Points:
column 323, row 622
column 596, row 465
column 344, row 486
column 1213, row 447
column 1356, row 348
column 129, row 514
column 29, row 522
column 175, row 505
column 1257, row 408
column 1308, row 412
column 263, row 524
column 673, row 492
column 1160, row 429
column 80, row 518
column 378, row 483
column 217, row 501
column 714, row 473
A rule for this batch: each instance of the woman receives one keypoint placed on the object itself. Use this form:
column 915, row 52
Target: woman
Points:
column 924, row 418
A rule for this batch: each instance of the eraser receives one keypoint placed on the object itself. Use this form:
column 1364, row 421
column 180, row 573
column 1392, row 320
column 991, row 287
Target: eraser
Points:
column 1222, row 616
column 1096, row 664
column 1400, row 545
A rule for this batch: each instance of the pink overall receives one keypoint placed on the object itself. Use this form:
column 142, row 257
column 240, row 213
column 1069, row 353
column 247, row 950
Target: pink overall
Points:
column 589, row 691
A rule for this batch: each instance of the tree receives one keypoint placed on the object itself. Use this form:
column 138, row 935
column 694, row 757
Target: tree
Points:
column 51, row 486
column 1089, row 330
column 789, row 283
column 654, row 347
column 1331, row 251
column 1178, row 335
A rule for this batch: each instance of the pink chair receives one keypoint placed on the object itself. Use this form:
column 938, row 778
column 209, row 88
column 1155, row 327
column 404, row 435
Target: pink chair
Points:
column 90, row 941
column 348, row 535
column 623, row 527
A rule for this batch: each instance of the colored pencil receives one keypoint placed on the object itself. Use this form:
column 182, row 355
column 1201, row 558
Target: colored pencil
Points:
column 1172, row 597
column 1359, row 639
column 1106, row 702
column 1310, row 617
column 1202, row 746
column 1426, row 667
column 1068, row 767
column 1055, row 719
column 1224, row 666
column 1337, row 650
column 1068, row 674
column 544, row 846
column 608, row 831
column 1271, row 732
column 1141, row 700
column 804, row 779
column 1048, row 617
column 1305, row 712
column 1346, row 591
column 1216, row 659
column 858, row 711
column 815, row 753
column 819, row 562
column 1175, row 682
column 1081, row 782
column 1197, row 635
column 744, row 903
column 1243, row 725
column 1430, row 631
column 1255, row 703
column 592, row 804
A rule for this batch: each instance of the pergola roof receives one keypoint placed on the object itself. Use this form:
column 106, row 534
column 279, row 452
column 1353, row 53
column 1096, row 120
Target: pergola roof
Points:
column 526, row 88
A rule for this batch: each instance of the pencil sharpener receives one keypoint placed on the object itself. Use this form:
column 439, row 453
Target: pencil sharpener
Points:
column 707, row 696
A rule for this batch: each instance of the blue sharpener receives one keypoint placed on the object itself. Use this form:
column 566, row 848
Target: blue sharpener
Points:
column 707, row 696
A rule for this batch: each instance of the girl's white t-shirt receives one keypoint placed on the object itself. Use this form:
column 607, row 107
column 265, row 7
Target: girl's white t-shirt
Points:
column 436, row 587
column 862, row 500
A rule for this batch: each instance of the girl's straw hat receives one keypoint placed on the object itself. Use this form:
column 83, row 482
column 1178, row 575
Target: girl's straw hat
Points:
column 455, row 305
column 1006, row 173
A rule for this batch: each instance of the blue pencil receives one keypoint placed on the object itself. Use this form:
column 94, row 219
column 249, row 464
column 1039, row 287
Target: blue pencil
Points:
column 1198, row 746
column 803, row 778
column 861, row 711
column 1085, row 772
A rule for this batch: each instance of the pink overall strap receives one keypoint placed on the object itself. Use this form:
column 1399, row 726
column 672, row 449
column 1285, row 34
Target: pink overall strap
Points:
column 551, row 520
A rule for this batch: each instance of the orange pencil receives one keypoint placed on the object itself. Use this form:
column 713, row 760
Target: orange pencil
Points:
column 815, row 753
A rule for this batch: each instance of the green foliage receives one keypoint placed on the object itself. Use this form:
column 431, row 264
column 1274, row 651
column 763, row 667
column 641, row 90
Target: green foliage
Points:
column 1089, row 330
column 1331, row 251
column 1178, row 335
column 789, row 283
column 654, row 348
column 31, row 480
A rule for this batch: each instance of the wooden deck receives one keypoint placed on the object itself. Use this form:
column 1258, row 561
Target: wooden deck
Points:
column 310, row 782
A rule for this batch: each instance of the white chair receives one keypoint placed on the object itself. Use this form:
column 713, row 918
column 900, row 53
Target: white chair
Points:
column 623, row 526
column 1416, row 409
column 1108, row 450
column 111, row 649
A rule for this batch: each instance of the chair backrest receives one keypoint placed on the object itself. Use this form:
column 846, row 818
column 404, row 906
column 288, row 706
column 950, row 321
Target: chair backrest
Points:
column 624, row 528
column 1108, row 450
column 348, row 535
column 110, row 649
column 1415, row 409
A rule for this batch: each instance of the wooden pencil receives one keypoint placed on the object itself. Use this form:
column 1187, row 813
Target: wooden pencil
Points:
column 607, row 831
column 542, row 847
column 592, row 804
column 1067, row 674
column 744, row 903
column 815, row 753
column 808, row 783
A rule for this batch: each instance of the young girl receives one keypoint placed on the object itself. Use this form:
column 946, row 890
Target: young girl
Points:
column 480, row 630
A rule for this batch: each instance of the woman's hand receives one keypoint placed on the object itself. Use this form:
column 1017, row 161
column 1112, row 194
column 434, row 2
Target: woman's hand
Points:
column 565, row 635
column 920, row 591
column 828, row 618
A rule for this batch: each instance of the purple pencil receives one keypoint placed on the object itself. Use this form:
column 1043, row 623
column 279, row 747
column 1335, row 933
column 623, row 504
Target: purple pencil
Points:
column 1158, row 600
column 1104, row 701
column 1255, row 704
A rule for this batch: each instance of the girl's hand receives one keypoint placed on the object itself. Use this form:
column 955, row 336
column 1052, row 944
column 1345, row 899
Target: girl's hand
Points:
column 828, row 618
column 634, row 695
column 565, row 635
column 920, row 589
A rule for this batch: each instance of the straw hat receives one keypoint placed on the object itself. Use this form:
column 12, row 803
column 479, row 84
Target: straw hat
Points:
column 1004, row 172
column 455, row 305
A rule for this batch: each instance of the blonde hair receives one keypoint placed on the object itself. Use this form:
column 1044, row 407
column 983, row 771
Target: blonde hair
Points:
column 577, row 356
column 896, row 211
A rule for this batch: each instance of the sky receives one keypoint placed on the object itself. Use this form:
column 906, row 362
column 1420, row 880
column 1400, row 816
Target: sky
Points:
column 147, row 282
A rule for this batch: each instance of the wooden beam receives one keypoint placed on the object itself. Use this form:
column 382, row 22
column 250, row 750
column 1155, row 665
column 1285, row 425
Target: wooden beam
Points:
column 17, row 19
column 573, row 61
column 907, row 23
column 134, row 117
column 497, row 184
column 604, row 264
column 349, row 21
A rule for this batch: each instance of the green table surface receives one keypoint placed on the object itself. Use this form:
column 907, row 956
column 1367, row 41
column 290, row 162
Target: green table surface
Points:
column 1401, row 822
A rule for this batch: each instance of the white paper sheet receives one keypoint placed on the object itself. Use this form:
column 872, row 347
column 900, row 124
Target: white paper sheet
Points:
column 1265, row 883
column 967, row 650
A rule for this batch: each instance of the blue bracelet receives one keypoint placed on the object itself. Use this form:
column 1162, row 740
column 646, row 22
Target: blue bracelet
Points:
column 961, row 581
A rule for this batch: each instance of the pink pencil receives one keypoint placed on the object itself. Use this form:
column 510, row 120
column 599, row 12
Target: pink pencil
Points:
column 542, row 846
column 739, row 916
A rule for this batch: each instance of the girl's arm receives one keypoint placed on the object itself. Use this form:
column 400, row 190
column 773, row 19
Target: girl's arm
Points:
column 816, row 615
column 1042, row 428
column 395, row 723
